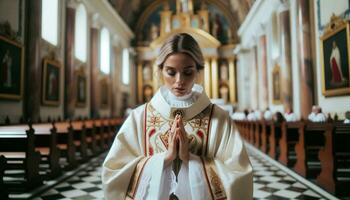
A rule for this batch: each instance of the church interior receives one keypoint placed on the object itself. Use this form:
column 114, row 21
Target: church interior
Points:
column 71, row 71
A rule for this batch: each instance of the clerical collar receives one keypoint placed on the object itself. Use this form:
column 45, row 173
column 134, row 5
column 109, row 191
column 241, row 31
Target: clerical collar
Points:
column 183, row 101
column 188, row 106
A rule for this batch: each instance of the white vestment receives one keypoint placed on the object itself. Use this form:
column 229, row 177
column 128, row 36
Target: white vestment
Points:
column 218, row 167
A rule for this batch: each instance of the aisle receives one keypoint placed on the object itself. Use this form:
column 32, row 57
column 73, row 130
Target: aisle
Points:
column 270, row 182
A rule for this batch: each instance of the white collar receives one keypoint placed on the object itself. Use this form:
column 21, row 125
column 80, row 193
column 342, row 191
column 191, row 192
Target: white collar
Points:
column 199, row 102
column 183, row 101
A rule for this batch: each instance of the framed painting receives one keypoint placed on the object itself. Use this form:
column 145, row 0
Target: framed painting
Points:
column 81, row 86
column 11, row 69
column 335, row 60
column 276, row 85
column 51, row 82
column 104, row 93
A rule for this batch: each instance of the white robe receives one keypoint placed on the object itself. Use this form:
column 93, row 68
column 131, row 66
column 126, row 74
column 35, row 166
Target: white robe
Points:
column 218, row 168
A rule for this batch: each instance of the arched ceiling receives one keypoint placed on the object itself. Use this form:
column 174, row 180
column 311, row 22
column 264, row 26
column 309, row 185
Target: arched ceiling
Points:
column 131, row 10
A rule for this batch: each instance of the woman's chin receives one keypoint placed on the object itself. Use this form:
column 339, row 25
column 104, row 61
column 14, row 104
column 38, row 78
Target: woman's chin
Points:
column 179, row 93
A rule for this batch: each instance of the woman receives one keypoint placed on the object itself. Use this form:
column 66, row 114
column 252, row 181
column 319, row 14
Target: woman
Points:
column 179, row 145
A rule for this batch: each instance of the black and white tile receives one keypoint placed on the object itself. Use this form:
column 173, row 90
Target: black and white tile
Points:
column 270, row 182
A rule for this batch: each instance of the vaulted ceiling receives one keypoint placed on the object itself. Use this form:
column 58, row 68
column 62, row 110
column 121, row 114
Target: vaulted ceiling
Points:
column 131, row 10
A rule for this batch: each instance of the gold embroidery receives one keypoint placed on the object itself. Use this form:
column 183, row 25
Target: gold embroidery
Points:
column 134, row 181
column 214, row 182
column 157, row 128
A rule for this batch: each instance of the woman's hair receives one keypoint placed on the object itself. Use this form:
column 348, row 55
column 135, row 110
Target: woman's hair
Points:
column 181, row 43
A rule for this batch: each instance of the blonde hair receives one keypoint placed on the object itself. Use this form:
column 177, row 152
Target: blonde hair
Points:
column 181, row 43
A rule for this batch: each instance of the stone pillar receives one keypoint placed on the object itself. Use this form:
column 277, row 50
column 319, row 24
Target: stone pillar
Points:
column 140, row 81
column 214, row 78
column 207, row 79
column 254, row 92
column 232, row 80
column 305, row 60
column 69, row 80
column 94, row 73
column 263, row 86
column 33, row 64
column 285, row 57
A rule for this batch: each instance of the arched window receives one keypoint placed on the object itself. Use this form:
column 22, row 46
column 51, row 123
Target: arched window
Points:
column 126, row 67
column 80, row 33
column 49, row 21
column 105, row 51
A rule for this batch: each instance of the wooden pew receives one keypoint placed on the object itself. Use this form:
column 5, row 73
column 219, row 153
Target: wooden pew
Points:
column 265, row 134
column 46, row 144
column 289, row 138
column 257, row 133
column 17, row 144
column 90, row 131
column 3, row 190
column 99, row 134
column 79, row 137
column 275, row 135
column 311, row 140
column 335, row 161
column 65, row 142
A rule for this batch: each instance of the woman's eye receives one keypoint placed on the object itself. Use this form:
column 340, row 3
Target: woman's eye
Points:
column 171, row 72
column 188, row 72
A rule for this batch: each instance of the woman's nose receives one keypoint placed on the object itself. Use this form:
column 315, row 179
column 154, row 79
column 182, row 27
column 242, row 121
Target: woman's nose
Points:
column 179, row 78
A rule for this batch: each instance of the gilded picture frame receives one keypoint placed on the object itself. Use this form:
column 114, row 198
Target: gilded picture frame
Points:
column 276, row 85
column 81, row 88
column 335, row 60
column 11, row 69
column 51, row 82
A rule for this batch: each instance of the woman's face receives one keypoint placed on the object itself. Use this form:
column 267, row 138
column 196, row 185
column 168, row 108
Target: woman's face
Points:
column 179, row 73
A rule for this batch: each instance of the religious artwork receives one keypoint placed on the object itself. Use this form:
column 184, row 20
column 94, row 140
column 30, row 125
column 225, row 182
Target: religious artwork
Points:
column 276, row 85
column 147, row 72
column 81, row 89
column 51, row 82
column 335, row 61
column 195, row 22
column 104, row 93
column 223, row 71
column 218, row 24
column 147, row 93
column 224, row 92
column 11, row 69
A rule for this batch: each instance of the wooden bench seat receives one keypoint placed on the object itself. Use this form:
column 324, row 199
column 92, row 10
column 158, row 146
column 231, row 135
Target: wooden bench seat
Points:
column 65, row 142
column 335, row 161
column 288, row 140
column 46, row 144
column 90, row 132
column 80, row 140
column 3, row 190
column 17, row 145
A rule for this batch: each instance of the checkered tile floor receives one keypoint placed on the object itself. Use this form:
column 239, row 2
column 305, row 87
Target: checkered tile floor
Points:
column 270, row 182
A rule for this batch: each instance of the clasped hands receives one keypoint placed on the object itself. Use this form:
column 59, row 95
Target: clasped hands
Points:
column 177, row 142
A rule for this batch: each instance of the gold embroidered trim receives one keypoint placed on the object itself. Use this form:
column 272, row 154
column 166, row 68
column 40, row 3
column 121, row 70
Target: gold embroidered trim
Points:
column 215, row 185
column 134, row 181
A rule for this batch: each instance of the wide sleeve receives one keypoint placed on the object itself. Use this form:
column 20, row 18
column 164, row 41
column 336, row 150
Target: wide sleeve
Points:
column 227, row 169
column 126, row 160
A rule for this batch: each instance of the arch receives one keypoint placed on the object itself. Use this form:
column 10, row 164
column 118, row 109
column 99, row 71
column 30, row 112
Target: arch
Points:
column 204, row 39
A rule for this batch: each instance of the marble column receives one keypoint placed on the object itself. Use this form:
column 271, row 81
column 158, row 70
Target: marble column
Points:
column 69, row 86
column 207, row 79
column 305, row 60
column 232, row 80
column 263, row 86
column 254, row 92
column 33, row 64
column 285, row 57
column 214, row 78
column 139, row 81
column 94, row 72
